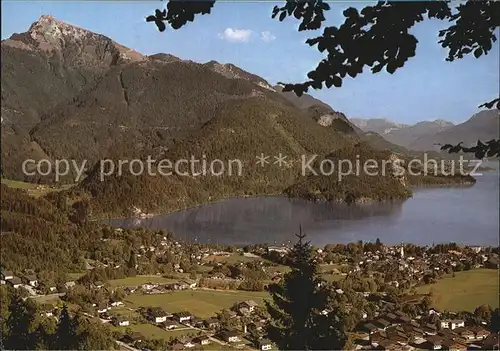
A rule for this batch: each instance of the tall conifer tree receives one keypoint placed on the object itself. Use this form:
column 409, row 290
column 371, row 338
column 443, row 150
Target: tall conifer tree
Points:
column 301, row 317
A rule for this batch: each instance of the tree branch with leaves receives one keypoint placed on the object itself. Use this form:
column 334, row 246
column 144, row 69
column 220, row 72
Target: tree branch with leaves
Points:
column 376, row 37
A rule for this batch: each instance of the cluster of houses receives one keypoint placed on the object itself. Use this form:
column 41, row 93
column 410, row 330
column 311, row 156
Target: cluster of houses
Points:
column 154, row 288
column 8, row 277
column 411, row 269
column 29, row 281
column 211, row 327
column 397, row 331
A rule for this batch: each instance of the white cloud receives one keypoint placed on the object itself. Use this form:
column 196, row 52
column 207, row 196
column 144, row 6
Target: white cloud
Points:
column 236, row 35
column 267, row 36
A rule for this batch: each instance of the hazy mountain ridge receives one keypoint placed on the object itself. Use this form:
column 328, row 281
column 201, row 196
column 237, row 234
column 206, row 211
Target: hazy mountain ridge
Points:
column 483, row 126
column 401, row 134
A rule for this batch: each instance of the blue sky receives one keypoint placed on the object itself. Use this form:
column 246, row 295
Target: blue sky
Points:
column 427, row 88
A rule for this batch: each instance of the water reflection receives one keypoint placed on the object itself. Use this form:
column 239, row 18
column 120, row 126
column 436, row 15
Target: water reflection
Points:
column 261, row 220
column 433, row 215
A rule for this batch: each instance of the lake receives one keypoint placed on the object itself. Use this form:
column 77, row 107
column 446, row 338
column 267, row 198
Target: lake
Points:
column 464, row 215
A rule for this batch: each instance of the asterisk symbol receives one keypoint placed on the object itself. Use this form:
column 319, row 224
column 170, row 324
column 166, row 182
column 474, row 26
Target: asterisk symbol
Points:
column 262, row 160
column 280, row 160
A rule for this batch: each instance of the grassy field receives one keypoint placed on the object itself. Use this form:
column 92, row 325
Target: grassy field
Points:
column 202, row 303
column 153, row 332
column 465, row 291
column 140, row 279
column 333, row 277
column 75, row 276
column 32, row 189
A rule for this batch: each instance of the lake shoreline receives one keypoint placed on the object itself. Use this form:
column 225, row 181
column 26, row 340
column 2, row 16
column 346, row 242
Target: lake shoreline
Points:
column 358, row 202
column 434, row 214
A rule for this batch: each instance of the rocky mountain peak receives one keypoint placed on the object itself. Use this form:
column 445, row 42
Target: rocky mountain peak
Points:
column 233, row 72
column 51, row 33
column 78, row 45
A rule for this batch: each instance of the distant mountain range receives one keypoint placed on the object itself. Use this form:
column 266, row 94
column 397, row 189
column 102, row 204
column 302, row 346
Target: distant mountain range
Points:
column 73, row 94
column 401, row 134
column 424, row 136
column 482, row 126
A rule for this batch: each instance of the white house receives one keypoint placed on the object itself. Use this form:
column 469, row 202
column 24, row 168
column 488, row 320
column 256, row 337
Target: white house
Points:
column 230, row 336
column 265, row 345
column 189, row 344
column 452, row 323
column 102, row 308
column 149, row 286
column 203, row 340
column 117, row 303
column 69, row 285
column 15, row 282
column 183, row 316
column 160, row 319
column 476, row 249
column 169, row 325
column 30, row 280
column 121, row 321
column 190, row 283
column 434, row 311
column 157, row 315
column 6, row 275
column 250, row 304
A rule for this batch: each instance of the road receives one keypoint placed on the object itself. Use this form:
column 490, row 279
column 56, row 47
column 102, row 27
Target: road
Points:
column 126, row 346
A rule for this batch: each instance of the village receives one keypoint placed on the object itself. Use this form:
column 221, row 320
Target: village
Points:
column 203, row 297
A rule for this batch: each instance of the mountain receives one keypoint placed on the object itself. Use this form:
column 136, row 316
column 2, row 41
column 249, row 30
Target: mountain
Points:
column 319, row 111
column 51, row 62
column 44, row 68
column 401, row 134
column 82, row 97
column 378, row 142
column 305, row 101
column 230, row 71
column 377, row 125
column 482, row 126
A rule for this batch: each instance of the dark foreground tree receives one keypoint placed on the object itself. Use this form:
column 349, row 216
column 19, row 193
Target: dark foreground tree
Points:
column 300, row 312
column 25, row 328
column 376, row 37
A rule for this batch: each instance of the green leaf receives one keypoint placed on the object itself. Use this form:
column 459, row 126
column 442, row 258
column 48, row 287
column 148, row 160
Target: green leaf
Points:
column 391, row 67
column 478, row 52
column 337, row 81
column 282, row 16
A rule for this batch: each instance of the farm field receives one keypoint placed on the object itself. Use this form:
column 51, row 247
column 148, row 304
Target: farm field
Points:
column 74, row 276
column 151, row 331
column 466, row 291
column 202, row 303
column 139, row 280
column 32, row 189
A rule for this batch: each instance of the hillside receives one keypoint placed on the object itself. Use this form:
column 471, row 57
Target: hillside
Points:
column 230, row 71
column 482, row 126
column 242, row 130
column 320, row 111
column 105, row 101
column 378, row 142
column 37, row 234
column 132, row 111
column 41, row 69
